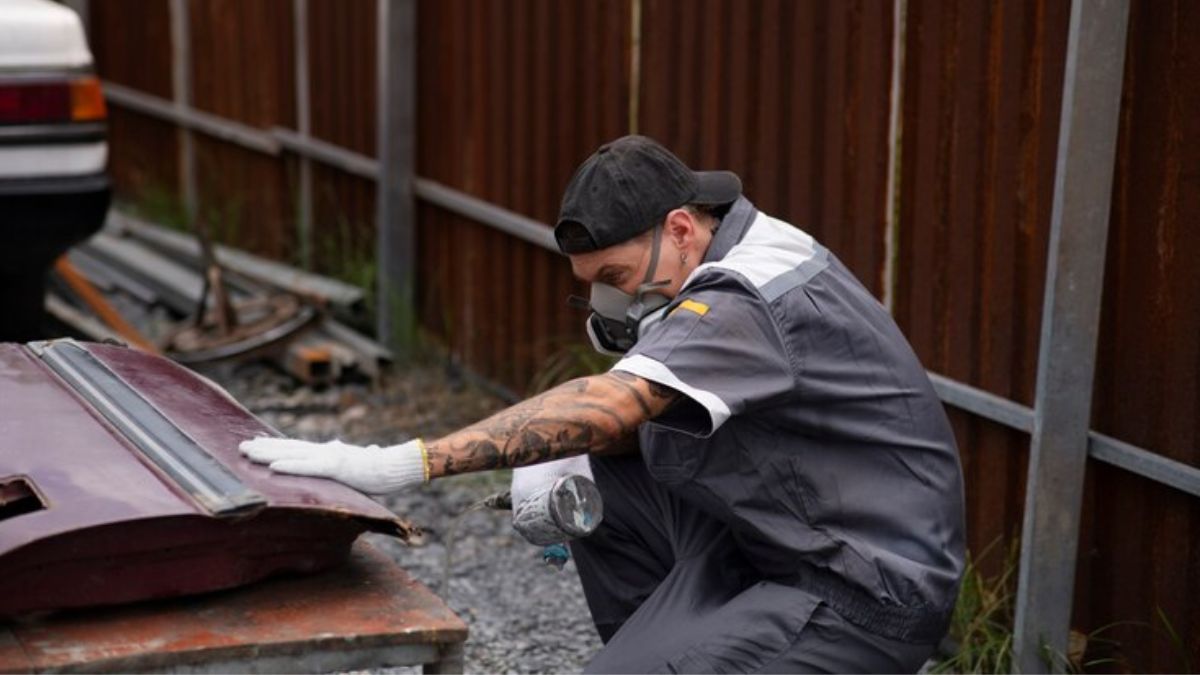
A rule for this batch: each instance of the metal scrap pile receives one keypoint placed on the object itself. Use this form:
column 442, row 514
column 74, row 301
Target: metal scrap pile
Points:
column 176, row 294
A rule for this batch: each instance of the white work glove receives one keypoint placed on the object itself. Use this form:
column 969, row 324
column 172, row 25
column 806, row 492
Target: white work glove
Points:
column 372, row 469
column 530, row 484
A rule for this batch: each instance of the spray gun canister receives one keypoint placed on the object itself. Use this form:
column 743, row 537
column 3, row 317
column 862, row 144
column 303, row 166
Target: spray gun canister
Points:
column 570, row 508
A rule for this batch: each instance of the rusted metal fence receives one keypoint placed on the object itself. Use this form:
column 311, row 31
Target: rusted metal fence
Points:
column 917, row 138
column 794, row 96
column 982, row 87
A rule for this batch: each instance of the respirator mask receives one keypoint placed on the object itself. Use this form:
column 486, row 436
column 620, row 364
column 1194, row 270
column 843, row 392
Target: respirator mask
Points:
column 618, row 319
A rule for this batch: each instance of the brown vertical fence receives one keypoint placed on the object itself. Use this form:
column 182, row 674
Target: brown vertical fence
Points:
column 793, row 96
column 137, row 54
column 512, row 96
column 341, row 57
column 796, row 97
column 982, row 89
column 242, row 70
column 1140, row 547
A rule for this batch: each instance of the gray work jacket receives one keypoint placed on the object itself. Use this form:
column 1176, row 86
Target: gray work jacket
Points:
column 809, row 426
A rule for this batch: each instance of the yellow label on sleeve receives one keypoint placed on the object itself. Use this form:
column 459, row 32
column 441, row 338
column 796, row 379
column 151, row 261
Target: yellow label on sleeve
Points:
column 692, row 306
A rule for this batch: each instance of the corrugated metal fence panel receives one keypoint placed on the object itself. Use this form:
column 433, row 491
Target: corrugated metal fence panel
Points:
column 982, row 86
column 342, row 91
column 982, row 95
column 144, row 151
column 1141, row 551
column 793, row 96
column 242, row 69
column 512, row 96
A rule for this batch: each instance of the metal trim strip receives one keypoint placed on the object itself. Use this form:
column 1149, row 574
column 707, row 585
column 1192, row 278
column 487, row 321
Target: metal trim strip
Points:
column 71, row 185
column 60, row 133
column 199, row 474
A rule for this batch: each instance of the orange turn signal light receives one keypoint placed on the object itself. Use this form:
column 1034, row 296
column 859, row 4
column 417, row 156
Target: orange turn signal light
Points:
column 87, row 100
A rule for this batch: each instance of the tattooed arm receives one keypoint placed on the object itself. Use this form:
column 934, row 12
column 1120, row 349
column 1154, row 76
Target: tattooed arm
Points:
column 591, row 414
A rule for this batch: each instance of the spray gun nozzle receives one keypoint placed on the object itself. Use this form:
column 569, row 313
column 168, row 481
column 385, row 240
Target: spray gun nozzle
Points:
column 501, row 501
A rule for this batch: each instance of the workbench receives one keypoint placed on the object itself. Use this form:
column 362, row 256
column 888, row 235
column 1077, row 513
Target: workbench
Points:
column 365, row 614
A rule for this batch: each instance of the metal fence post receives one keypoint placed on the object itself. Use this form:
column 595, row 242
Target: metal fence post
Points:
column 891, row 219
column 1070, row 323
column 181, row 93
column 396, row 143
column 303, row 128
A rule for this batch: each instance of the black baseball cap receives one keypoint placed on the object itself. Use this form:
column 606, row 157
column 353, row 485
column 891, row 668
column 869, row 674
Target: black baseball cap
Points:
column 627, row 187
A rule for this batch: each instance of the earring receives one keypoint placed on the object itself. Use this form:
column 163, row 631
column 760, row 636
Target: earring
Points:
column 682, row 258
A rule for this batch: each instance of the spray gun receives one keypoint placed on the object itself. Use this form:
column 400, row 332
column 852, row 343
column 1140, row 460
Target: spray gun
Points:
column 570, row 508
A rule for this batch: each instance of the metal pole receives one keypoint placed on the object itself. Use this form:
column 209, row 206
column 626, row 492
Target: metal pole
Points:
column 1070, row 323
column 635, row 64
column 396, row 142
column 181, row 94
column 303, row 127
column 891, row 219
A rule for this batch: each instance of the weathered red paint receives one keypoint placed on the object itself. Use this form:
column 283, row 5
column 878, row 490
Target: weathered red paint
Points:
column 368, row 603
column 115, row 530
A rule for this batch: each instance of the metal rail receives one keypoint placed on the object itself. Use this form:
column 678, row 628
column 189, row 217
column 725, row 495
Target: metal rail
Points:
column 1144, row 463
column 327, row 153
column 478, row 210
column 190, row 118
column 983, row 403
column 276, row 140
column 1100, row 447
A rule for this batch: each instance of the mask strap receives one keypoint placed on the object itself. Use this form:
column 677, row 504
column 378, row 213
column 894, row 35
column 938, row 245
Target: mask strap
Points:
column 654, row 248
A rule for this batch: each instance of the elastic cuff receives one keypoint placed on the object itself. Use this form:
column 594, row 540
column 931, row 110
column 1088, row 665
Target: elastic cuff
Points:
column 402, row 466
column 424, row 458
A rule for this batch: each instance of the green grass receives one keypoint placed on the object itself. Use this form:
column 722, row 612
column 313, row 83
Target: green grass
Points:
column 981, row 625
column 981, row 629
column 1176, row 641
column 158, row 205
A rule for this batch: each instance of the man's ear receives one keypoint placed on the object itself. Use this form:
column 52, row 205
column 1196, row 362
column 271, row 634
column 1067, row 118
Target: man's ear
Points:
column 680, row 227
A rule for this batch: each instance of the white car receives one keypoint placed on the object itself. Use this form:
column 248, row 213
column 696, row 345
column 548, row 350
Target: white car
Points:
column 54, row 189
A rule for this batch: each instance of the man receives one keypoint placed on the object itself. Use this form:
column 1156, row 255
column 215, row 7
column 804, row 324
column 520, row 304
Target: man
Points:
column 781, row 487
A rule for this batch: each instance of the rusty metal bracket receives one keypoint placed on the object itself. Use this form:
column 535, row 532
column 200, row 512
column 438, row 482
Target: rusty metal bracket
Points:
column 265, row 323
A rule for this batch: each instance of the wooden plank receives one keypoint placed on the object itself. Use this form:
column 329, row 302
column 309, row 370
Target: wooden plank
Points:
column 368, row 604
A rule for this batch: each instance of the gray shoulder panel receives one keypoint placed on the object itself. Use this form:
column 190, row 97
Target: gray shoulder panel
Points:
column 797, row 276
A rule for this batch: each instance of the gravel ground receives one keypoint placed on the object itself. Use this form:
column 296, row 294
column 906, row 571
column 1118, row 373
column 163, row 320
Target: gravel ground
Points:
column 523, row 616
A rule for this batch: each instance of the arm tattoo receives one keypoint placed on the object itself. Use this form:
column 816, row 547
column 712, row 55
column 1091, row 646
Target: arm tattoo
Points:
column 591, row 414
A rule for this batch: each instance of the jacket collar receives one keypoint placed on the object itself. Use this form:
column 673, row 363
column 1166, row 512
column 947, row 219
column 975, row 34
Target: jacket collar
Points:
column 733, row 227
